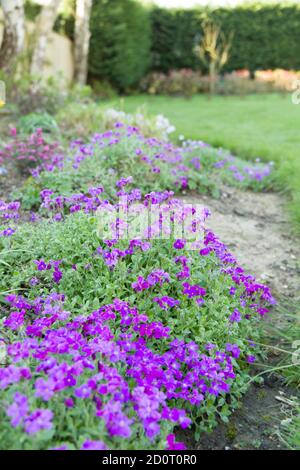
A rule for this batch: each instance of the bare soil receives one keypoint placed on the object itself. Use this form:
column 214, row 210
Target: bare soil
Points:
column 256, row 228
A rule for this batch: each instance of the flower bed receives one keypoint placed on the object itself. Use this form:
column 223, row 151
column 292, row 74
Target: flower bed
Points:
column 114, row 342
column 152, row 164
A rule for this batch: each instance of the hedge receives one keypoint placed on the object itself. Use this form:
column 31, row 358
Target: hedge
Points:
column 120, row 42
column 265, row 36
column 128, row 39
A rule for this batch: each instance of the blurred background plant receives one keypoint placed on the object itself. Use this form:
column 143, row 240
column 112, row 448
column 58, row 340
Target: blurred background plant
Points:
column 213, row 50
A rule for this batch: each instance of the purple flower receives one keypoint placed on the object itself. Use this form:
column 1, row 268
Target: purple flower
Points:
column 140, row 285
column 83, row 391
column 205, row 251
column 57, row 275
column 44, row 388
column 15, row 320
column 96, row 191
column 235, row 317
column 232, row 290
column 18, row 410
column 179, row 244
column 38, row 420
column 93, row 445
column 192, row 291
column 7, row 232
column 250, row 358
column 124, row 181
column 42, row 265
column 173, row 445
column 69, row 402
column 234, row 349
column 166, row 301
column 34, row 281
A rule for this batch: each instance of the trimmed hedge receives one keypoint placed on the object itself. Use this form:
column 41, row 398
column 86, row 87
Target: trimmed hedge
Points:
column 120, row 42
column 129, row 39
column 264, row 36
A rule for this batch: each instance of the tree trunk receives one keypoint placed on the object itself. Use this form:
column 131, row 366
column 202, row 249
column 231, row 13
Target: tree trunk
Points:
column 212, row 78
column 14, row 32
column 44, row 26
column 82, row 40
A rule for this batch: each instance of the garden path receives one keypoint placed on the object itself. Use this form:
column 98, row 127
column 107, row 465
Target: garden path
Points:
column 256, row 229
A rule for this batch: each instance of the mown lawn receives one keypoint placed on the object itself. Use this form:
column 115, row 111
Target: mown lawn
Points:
column 265, row 126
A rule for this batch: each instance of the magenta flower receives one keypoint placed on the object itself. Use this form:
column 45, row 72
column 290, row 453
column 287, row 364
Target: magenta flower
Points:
column 83, row 391
column 179, row 244
column 235, row 317
column 57, row 275
column 18, row 410
column 15, row 320
column 44, row 388
column 42, row 265
column 250, row 359
column 192, row 290
column 7, row 232
column 234, row 349
column 173, row 445
column 205, row 251
column 38, row 420
column 165, row 302
column 93, row 445
column 124, row 181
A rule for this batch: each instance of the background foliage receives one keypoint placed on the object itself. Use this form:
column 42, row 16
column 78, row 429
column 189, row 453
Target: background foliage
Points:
column 264, row 36
column 120, row 42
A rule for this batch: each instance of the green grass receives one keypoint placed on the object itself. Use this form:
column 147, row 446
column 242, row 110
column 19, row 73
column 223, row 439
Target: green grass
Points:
column 265, row 126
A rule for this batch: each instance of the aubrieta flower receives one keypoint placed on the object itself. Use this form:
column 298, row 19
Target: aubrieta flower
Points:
column 189, row 374
column 164, row 302
column 234, row 349
column 157, row 276
column 93, row 445
column 15, row 320
column 193, row 290
column 173, row 445
column 18, row 410
column 250, row 358
column 124, row 181
column 179, row 244
column 8, row 232
column 42, row 265
column 39, row 420
column 235, row 317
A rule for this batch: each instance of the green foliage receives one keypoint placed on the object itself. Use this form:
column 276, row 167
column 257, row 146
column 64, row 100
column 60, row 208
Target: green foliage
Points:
column 103, row 89
column 265, row 36
column 120, row 42
column 32, row 10
column 32, row 94
column 30, row 122
column 184, row 82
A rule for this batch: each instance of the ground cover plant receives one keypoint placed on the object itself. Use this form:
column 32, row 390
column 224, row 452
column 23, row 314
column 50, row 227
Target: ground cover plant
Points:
column 152, row 164
column 114, row 341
